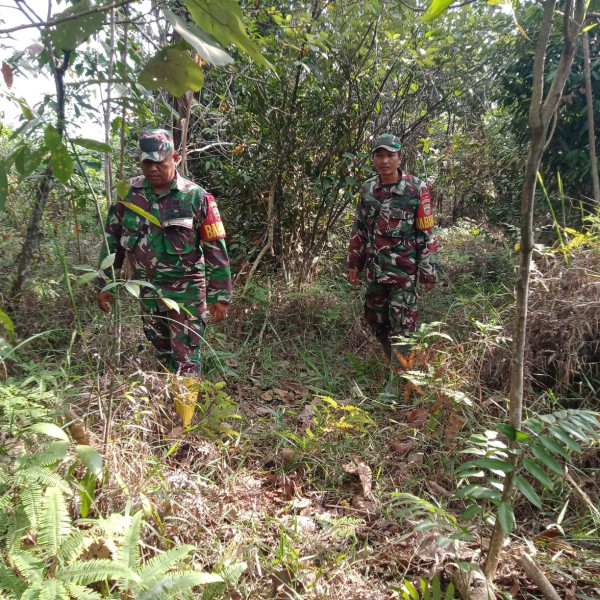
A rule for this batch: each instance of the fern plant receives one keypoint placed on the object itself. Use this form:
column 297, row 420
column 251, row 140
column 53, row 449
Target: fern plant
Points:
column 44, row 554
column 545, row 444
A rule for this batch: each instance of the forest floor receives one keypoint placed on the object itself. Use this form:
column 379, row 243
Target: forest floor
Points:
column 296, row 476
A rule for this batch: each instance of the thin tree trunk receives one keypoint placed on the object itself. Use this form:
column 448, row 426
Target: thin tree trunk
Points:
column 540, row 115
column 107, row 111
column 585, row 42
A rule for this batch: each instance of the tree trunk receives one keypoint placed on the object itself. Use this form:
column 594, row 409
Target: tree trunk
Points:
column 585, row 42
column 540, row 116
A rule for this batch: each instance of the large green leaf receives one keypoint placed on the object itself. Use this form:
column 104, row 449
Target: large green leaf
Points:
column 532, row 467
column 223, row 19
column 3, row 185
column 435, row 9
column 69, row 34
column 91, row 458
column 172, row 68
column 129, row 551
column 62, row 164
column 527, row 490
column 205, row 45
column 477, row 492
column 6, row 322
column 92, row 144
column 554, row 446
column 52, row 138
column 27, row 161
column 506, row 517
column 50, row 429
column 141, row 212
column 546, row 458
column 55, row 522
column 99, row 569
column 565, row 438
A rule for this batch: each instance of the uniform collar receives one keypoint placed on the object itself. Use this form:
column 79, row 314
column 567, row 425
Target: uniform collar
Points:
column 379, row 185
column 176, row 185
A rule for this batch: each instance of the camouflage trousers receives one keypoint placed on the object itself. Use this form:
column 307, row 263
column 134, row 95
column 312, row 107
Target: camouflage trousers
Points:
column 176, row 337
column 390, row 312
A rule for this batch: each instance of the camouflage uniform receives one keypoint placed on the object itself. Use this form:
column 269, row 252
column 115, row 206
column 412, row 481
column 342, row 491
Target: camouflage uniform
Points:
column 393, row 237
column 185, row 258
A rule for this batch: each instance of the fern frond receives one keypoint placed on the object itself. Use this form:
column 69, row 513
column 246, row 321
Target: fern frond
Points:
column 88, row 571
column 231, row 573
column 173, row 585
column 16, row 526
column 157, row 566
column 50, row 457
column 72, row 546
column 129, row 552
column 80, row 592
column 55, row 523
column 9, row 581
column 32, row 592
column 44, row 475
column 30, row 567
column 52, row 589
column 31, row 499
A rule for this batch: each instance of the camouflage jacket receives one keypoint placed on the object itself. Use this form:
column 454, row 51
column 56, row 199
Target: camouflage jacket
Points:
column 393, row 233
column 185, row 257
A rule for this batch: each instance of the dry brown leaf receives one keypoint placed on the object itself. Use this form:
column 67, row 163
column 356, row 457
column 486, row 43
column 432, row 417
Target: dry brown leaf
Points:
column 288, row 489
column 515, row 587
column 307, row 413
column 417, row 416
column 7, row 73
column 266, row 396
column 455, row 423
column 416, row 459
column 360, row 468
column 401, row 448
column 365, row 507
column 296, row 387
column 438, row 490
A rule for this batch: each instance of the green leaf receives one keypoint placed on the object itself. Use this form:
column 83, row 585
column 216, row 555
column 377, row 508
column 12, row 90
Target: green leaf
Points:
column 98, row 569
column 436, row 588
column 92, row 145
column 55, row 523
column 123, row 188
column 80, row 592
column 172, row 304
column 6, row 322
column 129, row 552
column 109, row 261
column 50, row 429
column 512, row 432
column 3, row 185
column 575, row 431
column 449, row 592
column 472, row 511
column 62, row 164
column 141, row 212
column 411, row 589
column 27, row 161
column 133, row 289
column 534, row 469
column 157, row 566
column 506, row 516
column 554, row 446
column 70, row 34
column 223, row 19
column 477, row 491
column 52, row 589
column 494, row 464
column 172, row 67
column 566, row 439
column 85, row 278
column 91, row 458
column 176, row 584
column 435, row 9
column 52, row 138
column 546, row 458
column 527, row 490
column 86, row 490
column 205, row 45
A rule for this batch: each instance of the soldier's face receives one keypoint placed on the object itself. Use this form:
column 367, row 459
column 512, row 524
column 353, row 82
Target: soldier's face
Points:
column 160, row 174
column 386, row 164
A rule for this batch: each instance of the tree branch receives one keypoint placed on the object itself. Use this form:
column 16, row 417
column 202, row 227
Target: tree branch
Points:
column 52, row 22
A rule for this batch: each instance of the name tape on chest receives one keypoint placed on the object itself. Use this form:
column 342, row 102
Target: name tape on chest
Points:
column 212, row 228
column 424, row 214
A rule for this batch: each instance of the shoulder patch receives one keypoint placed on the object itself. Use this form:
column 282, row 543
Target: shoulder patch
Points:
column 212, row 228
column 424, row 212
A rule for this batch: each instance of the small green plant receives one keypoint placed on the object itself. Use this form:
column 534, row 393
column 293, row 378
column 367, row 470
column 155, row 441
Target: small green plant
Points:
column 214, row 407
column 543, row 446
column 425, row 590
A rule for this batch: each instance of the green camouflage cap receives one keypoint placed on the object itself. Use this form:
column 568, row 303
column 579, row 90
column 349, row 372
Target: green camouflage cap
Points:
column 155, row 144
column 388, row 141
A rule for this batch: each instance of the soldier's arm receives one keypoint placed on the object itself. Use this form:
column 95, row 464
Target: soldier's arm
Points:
column 217, row 270
column 426, row 242
column 357, row 248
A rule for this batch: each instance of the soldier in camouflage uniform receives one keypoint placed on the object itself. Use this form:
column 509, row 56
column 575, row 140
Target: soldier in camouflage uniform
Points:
column 176, row 242
column 393, row 238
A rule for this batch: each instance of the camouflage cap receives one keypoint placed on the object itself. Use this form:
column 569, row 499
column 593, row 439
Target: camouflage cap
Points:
column 388, row 141
column 155, row 144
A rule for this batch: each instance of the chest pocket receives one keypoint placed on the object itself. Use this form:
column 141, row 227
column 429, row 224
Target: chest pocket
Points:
column 178, row 230
column 133, row 229
column 401, row 217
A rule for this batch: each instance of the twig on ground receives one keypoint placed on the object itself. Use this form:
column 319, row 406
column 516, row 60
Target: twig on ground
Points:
column 531, row 568
column 585, row 497
column 262, row 329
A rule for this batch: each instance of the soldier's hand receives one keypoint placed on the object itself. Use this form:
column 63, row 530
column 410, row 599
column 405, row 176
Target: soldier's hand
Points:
column 217, row 311
column 427, row 287
column 105, row 301
column 353, row 276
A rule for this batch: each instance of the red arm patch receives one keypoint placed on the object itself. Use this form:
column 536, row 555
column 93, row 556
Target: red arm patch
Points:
column 424, row 212
column 212, row 228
